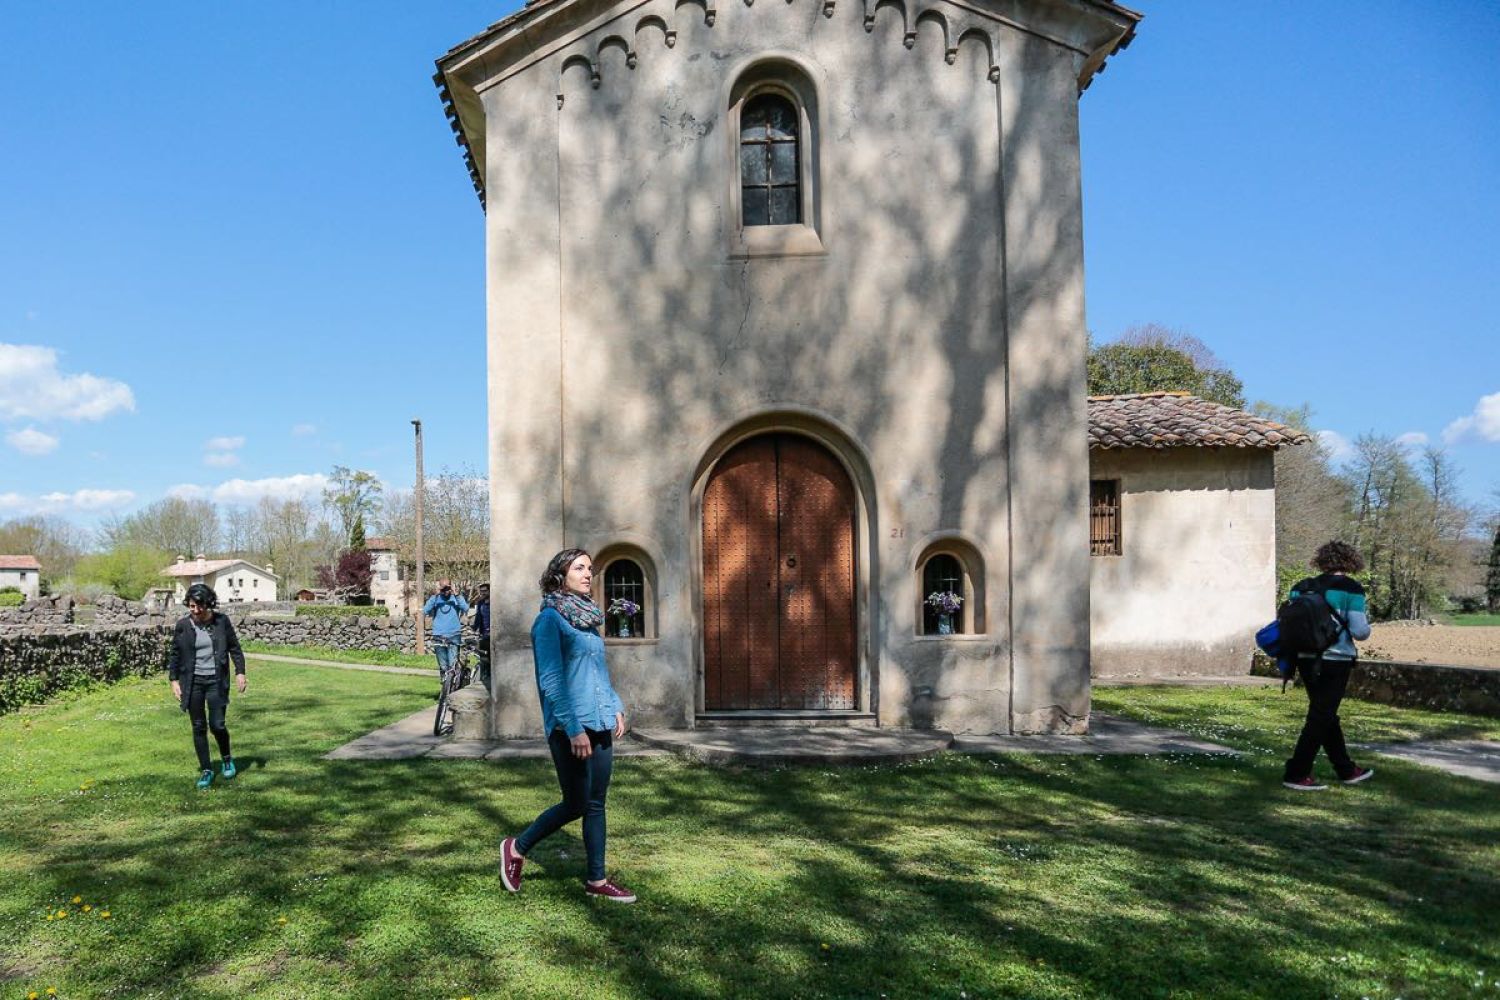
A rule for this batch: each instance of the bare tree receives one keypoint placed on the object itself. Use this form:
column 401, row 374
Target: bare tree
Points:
column 456, row 529
column 56, row 543
column 183, row 527
column 1312, row 502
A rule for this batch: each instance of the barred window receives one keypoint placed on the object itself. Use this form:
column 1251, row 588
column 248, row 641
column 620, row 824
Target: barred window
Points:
column 1104, row 517
column 942, row 574
column 624, row 581
column 770, row 192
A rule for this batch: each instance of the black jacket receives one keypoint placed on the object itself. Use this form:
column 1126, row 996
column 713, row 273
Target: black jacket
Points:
column 182, row 655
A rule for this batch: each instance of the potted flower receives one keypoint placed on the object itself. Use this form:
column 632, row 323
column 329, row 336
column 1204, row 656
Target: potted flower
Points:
column 946, row 603
column 623, row 611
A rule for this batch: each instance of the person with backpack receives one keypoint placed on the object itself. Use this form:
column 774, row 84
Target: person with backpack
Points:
column 1320, row 621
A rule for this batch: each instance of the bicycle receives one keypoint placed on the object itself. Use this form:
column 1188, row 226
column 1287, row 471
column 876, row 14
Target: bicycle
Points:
column 457, row 675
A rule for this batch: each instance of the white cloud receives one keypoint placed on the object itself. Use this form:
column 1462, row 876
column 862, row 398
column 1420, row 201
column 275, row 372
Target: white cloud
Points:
column 1339, row 448
column 1412, row 439
column 32, row 386
column 31, row 441
column 304, row 485
column 88, row 499
column 221, row 459
column 224, row 443
column 1481, row 425
column 304, row 430
column 11, row 501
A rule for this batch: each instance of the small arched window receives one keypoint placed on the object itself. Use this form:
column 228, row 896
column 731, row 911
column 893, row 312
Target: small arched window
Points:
column 624, row 600
column 943, row 595
column 770, row 187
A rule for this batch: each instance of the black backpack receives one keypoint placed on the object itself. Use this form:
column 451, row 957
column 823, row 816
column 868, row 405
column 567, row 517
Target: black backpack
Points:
column 1309, row 626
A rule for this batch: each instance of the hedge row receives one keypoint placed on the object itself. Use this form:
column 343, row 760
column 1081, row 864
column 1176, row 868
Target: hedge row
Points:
column 340, row 611
column 35, row 667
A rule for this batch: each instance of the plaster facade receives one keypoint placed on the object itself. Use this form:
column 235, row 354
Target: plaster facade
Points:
column 28, row 580
column 924, row 323
column 235, row 581
column 1196, row 576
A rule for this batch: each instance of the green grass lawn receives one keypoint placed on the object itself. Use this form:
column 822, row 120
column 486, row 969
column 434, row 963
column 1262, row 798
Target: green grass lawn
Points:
column 1477, row 618
column 1176, row 876
column 382, row 657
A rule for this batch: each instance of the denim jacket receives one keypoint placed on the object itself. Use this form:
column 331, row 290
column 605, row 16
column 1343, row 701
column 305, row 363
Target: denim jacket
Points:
column 571, row 677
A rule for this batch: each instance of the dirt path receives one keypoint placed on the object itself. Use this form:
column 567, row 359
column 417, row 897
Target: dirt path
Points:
column 1459, row 645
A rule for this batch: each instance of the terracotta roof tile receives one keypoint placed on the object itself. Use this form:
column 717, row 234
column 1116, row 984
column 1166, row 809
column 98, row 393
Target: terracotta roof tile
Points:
column 1180, row 420
column 19, row 562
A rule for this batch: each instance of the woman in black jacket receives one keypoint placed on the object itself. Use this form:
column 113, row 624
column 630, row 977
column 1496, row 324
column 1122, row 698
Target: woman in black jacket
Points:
column 198, row 664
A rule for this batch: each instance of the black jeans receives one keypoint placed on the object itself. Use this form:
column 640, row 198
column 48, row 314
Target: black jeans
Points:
column 1322, row 731
column 207, row 695
column 584, row 783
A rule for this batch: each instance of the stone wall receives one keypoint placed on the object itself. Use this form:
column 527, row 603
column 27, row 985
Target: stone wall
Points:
column 42, row 612
column 379, row 631
column 1475, row 690
column 34, row 665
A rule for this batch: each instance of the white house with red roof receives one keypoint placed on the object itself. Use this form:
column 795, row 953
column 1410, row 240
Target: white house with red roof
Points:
column 234, row 580
column 22, row 572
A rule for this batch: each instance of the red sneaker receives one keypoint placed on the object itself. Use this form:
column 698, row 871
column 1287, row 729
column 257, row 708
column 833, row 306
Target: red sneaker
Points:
column 510, row 865
column 1307, row 784
column 1359, row 774
column 608, row 890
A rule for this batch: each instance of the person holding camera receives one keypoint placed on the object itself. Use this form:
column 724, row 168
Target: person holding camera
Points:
column 447, row 610
column 203, row 645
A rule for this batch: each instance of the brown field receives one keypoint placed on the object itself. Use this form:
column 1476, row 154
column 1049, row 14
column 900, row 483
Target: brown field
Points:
column 1464, row 646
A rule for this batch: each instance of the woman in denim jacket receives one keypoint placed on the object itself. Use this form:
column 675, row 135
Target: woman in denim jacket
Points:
column 582, row 714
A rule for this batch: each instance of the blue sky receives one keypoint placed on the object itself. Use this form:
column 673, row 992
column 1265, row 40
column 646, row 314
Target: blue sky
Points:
column 238, row 244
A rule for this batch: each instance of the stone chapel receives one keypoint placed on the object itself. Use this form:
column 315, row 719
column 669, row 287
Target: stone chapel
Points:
column 786, row 327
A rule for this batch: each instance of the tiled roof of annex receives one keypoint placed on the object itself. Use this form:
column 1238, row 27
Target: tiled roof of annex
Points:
column 1181, row 420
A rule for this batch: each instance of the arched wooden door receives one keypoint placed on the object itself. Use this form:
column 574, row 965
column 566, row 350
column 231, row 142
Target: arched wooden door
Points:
column 778, row 578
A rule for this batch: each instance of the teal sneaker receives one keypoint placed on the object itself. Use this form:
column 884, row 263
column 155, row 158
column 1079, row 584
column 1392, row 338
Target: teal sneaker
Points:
column 205, row 779
column 229, row 768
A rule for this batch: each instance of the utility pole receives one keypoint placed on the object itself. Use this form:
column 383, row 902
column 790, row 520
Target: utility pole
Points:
column 421, row 554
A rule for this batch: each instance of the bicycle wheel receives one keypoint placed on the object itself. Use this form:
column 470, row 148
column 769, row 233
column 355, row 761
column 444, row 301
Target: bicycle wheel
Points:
column 440, row 721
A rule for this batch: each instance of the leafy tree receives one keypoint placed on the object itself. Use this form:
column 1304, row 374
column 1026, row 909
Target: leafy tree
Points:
column 128, row 571
column 1155, row 359
column 352, row 493
column 357, row 536
column 1492, row 578
column 349, row 581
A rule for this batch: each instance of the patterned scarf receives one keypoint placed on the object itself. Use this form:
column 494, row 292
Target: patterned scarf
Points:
column 580, row 612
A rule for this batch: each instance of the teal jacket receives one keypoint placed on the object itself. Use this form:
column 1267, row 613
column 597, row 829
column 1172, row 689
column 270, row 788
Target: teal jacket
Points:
column 1346, row 597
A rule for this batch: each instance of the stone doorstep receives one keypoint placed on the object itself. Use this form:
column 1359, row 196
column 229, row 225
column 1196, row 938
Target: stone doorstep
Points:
column 412, row 737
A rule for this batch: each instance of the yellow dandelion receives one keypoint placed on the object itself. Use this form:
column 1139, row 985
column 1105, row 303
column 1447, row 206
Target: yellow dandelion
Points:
column 61, row 914
column 51, row 917
column 87, row 907
column 52, row 991
column 824, row 946
column 31, row 995
column 281, row 920
column 77, row 899
column 104, row 914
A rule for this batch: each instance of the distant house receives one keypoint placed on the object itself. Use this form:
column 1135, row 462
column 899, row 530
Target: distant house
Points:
column 22, row 572
column 1182, row 533
column 387, row 587
column 234, row 580
column 306, row 595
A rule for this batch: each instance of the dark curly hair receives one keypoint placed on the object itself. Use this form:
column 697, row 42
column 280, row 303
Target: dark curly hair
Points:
column 557, row 569
column 1338, row 557
column 202, row 595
